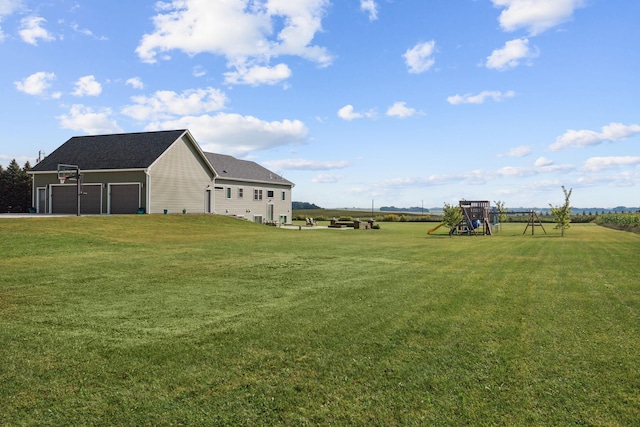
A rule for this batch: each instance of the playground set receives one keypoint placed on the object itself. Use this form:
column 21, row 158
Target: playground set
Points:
column 480, row 219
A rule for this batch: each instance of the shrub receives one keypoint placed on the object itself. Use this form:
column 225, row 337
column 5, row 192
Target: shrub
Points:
column 622, row 220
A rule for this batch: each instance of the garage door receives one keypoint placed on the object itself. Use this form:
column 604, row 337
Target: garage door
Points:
column 124, row 198
column 64, row 199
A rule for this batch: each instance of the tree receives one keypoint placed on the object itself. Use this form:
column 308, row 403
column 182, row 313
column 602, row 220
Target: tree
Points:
column 15, row 188
column 502, row 211
column 562, row 214
column 304, row 205
column 451, row 216
column 4, row 190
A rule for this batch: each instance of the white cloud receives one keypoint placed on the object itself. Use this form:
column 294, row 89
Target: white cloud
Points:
column 542, row 162
column 520, row 151
column 36, row 84
column 536, row 16
column 258, row 75
column 75, row 27
column 87, row 86
column 420, row 57
column 540, row 166
column 85, row 119
column 326, row 178
column 31, row 30
column 510, row 56
column 167, row 104
column 135, row 82
column 348, row 113
column 248, row 35
column 304, row 164
column 7, row 7
column 595, row 164
column 370, row 7
column 622, row 179
column 199, row 71
column 479, row 98
column 613, row 132
column 513, row 171
column 235, row 134
column 400, row 109
column 477, row 176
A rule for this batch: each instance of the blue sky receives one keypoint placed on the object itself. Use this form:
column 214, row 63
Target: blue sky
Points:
column 399, row 102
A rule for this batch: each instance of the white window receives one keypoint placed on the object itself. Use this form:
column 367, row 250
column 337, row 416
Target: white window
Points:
column 257, row 194
column 228, row 190
column 284, row 195
column 240, row 193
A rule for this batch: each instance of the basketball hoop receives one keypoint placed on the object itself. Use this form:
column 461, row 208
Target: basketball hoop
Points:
column 67, row 172
column 62, row 178
column 71, row 172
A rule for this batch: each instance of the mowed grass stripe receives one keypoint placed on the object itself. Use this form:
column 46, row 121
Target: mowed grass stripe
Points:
column 207, row 320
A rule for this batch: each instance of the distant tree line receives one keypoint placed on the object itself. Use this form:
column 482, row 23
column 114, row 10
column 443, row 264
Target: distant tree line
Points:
column 15, row 188
column 304, row 205
column 411, row 209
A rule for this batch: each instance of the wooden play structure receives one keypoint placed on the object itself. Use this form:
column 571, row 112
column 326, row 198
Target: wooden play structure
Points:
column 476, row 218
column 480, row 219
column 533, row 222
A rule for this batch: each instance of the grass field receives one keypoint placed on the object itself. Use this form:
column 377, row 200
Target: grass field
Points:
column 206, row 320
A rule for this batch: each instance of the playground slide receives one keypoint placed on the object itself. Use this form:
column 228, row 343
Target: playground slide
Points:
column 434, row 229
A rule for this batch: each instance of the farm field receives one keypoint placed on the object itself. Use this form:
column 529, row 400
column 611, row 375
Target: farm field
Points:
column 208, row 320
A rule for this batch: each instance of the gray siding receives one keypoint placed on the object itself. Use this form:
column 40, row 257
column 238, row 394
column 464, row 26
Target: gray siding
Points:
column 247, row 207
column 46, row 180
column 178, row 180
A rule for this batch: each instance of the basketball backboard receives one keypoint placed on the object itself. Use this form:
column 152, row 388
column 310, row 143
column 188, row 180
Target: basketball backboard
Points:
column 67, row 172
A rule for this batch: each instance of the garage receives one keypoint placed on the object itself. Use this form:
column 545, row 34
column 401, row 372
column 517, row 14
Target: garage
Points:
column 64, row 199
column 124, row 198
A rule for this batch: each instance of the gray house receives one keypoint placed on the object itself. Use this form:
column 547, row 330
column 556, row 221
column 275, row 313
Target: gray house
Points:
column 246, row 189
column 158, row 172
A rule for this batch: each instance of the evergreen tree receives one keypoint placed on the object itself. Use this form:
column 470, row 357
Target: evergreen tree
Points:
column 562, row 214
column 25, row 201
column 4, row 190
column 15, row 188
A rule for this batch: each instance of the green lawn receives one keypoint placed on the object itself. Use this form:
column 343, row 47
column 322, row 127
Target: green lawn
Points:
column 206, row 320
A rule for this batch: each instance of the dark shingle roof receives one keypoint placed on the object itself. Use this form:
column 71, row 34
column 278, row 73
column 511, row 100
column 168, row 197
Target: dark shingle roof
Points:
column 117, row 151
column 228, row 167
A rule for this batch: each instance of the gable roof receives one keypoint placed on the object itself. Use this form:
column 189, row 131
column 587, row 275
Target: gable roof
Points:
column 228, row 167
column 126, row 151
column 116, row 151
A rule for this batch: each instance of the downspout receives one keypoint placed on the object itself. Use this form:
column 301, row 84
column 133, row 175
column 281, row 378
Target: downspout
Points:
column 147, row 190
column 213, row 196
column 34, row 196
